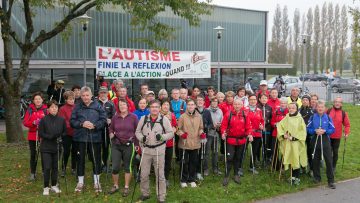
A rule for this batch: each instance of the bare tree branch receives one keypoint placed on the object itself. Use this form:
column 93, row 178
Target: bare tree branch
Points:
column 29, row 22
column 77, row 6
column 15, row 37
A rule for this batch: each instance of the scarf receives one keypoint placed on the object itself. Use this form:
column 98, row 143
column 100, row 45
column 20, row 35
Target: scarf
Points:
column 295, row 114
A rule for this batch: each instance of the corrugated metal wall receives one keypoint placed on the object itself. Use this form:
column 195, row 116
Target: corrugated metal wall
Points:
column 243, row 39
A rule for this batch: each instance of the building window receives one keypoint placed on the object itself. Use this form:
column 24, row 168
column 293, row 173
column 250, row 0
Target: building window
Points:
column 37, row 80
column 232, row 79
column 257, row 74
column 74, row 77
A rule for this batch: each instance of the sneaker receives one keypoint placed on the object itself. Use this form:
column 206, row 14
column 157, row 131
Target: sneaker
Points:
column 32, row 177
column 125, row 192
column 296, row 182
column 193, row 184
column 46, row 191
column 73, row 171
column 79, row 187
column 331, row 185
column 225, row 181
column 97, row 188
column 113, row 190
column 217, row 172
column 237, row 179
column 183, row 185
column 241, row 172
column 143, row 198
column 62, row 173
column 199, row 177
column 55, row 189
column 206, row 172
column 254, row 171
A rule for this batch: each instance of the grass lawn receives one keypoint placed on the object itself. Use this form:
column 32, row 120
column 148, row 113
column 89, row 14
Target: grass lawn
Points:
column 14, row 172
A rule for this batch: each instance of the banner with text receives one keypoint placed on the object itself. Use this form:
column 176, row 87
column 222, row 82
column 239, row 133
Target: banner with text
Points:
column 113, row 63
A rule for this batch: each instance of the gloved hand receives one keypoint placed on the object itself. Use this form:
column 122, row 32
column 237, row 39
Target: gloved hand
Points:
column 36, row 122
column 144, row 139
column 202, row 136
column 159, row 137
column 203, row 141
column 184, row 136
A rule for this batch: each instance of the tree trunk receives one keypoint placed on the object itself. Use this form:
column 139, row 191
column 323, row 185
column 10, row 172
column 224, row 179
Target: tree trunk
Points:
column 14, row 132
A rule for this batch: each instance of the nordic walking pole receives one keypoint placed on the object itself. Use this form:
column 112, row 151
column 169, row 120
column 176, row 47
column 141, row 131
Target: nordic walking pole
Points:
column 182, row 160
column 94, row 160
column 158, row 174
column 291, row 177
column 276, row 155
column 342, row 167
column 273, row 156
column 174, row 161
column 58, row 154
column 252, row 158
column 63, row 162
column 202, row 160
column 225, row 152
column 138, row 173
column 108, row 158
column 265, row 140
column 316, row 141
column 322, row 149
column 282, row 159
column 243, row 154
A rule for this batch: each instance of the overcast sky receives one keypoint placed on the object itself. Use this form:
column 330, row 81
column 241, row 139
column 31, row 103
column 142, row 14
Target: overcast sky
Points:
column 270, row 5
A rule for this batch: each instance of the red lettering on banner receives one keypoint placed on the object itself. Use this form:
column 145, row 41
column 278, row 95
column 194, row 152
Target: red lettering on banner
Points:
column 101, row 54
column 139, row 52
column 117, row 54
column 175, row 56
column 131, row 57
column 154, row 56
column 165, row 57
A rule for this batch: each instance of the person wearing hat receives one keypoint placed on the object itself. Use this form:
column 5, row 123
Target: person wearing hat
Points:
column 263, row 89
column 109, row 109
column 58, row 93
column 150, row 95
column 306, row 112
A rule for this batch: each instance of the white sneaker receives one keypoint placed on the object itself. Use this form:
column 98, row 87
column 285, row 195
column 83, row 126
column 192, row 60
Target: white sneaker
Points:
column 79, row 187
column 97, row 188
column 55, row 189
column 193, row 184
column 183, row 185
column 199, row 177
column 46, row 191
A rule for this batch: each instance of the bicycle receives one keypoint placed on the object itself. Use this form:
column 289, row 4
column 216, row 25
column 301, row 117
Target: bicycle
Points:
column 24, row 104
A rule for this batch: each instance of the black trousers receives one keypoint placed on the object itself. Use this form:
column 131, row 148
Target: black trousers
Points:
column 50, row 165
column 105, row 145
column 177, row 149
column 212, row 152
column 190, row 165
column 327, row 156
column 296, row 173
column 309, row 151
column 32, row 147
column 256, row 148
column 69, row 149
column 269, row 146
column 233, row 157
column 168, row 160
column 84, row 148
column 335, row 144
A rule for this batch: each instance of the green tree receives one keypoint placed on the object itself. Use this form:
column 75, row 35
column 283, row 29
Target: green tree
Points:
column 285, row 29
column 143, row 14
column 329, row 35
column 343, row 38
column 317, row 31
column 309, row 31
column 336, row 37
column 275, row 53
column 296, row 25
column 355, row 40
column 323, row 37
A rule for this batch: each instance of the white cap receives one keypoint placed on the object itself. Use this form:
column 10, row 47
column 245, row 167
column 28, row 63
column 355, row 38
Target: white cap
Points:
column 263, row 82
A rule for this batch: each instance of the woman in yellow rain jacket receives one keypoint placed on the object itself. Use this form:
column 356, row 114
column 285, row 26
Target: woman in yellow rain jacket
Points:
column 292, row 136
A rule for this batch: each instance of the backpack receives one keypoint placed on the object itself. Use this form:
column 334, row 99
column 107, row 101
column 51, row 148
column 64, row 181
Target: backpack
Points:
column 342, row 112
column 147, row 120
column 230, row 116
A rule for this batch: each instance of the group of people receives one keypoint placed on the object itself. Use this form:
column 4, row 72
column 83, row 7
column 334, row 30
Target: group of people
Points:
column 187, row 126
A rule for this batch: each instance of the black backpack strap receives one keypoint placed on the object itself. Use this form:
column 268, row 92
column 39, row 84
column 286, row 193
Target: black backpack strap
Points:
column 162, row 123
column 230, row 116
column 145, row 121
column 182, row 110
column 343, row 115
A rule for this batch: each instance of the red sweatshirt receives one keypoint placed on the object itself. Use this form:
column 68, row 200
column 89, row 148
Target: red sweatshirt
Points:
column 274, row 103
column 65, row 112
column 336, row 115
column 239, row 128
column 207, row 101
column 256, row 119
column 277, row 117
column 170, row 143
column 32, row 120
column 267, row 92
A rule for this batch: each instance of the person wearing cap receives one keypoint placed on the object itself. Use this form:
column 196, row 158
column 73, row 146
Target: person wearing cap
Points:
column 115, row 87
column 58, row 93
column 294, row 97
column 109, row 109
column 306, row 112
column 263, row 89
column 150, row 96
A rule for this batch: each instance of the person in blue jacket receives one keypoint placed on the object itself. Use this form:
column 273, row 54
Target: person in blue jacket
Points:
column 142, row 109
column 88, row 119
column 321, row 126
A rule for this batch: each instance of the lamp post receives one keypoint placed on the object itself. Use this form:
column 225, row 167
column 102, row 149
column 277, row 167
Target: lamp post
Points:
column 219, row 30
column 84, row 20
column 304, row 41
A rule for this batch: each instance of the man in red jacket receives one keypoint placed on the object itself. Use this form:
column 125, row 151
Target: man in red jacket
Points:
column 274, row 101
column 122, row 94
column 340, row 118
column 235, row 128
column 263, row 88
